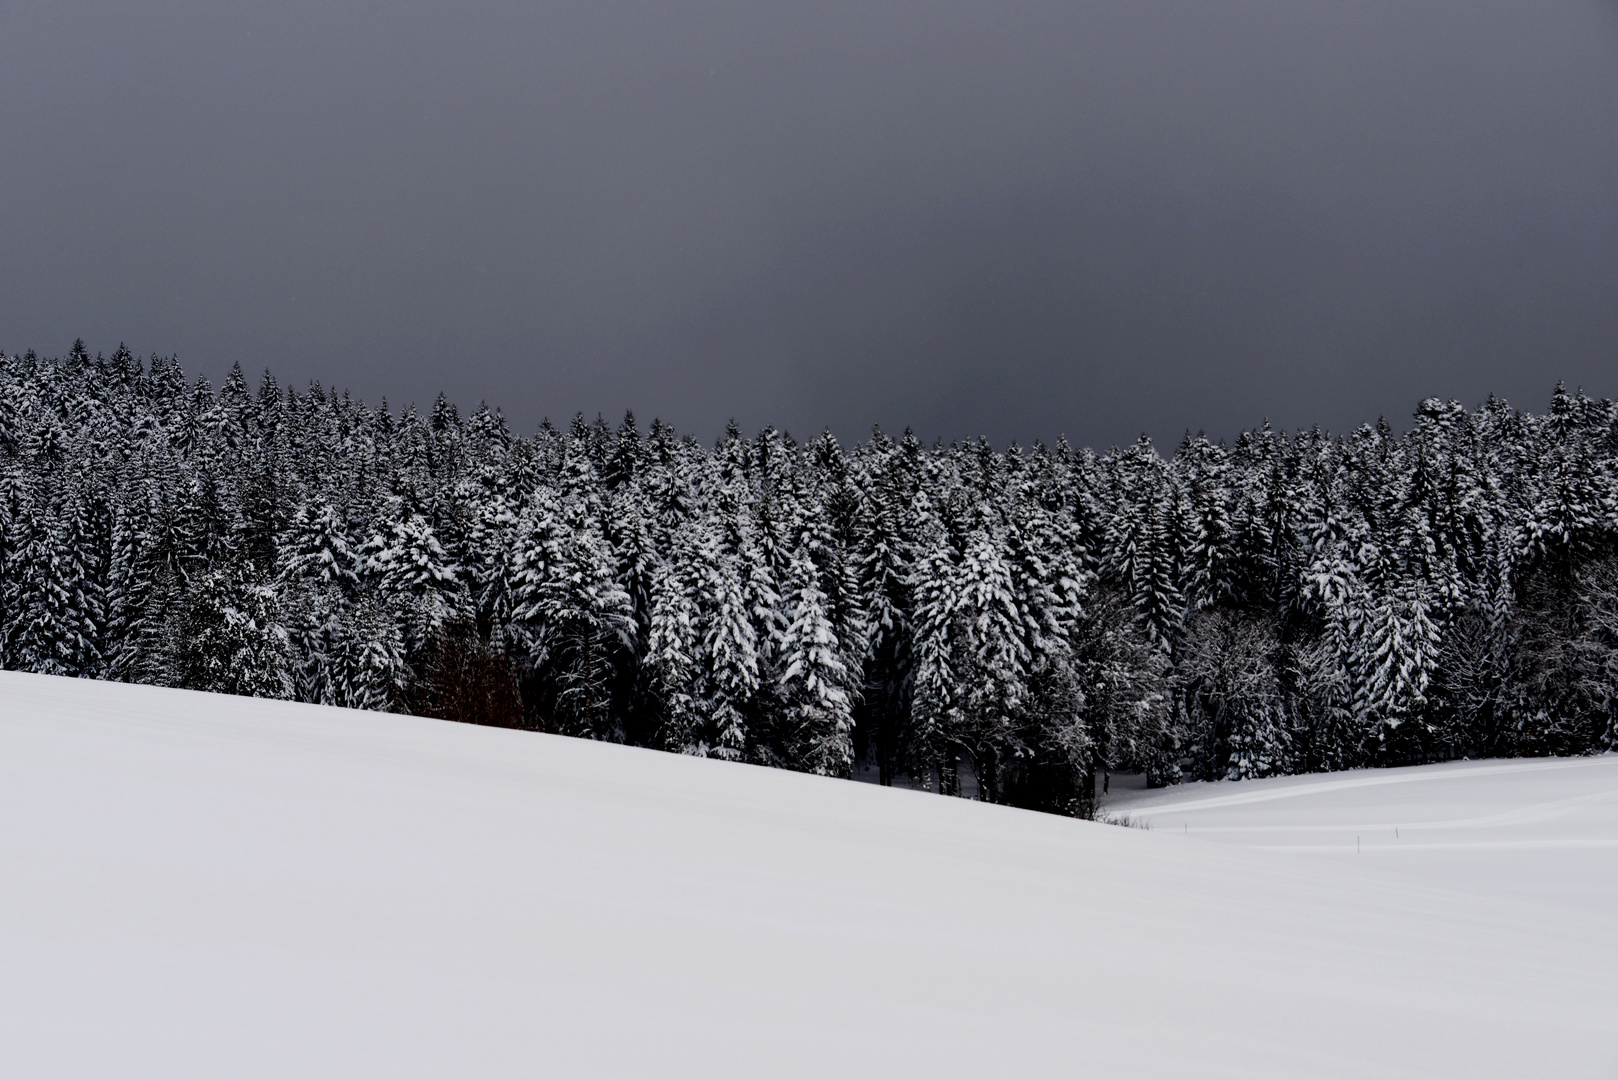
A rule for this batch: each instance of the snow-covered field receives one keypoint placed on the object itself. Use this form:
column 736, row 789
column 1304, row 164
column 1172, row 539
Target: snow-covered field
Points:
column 196, row 886
column 1544, row 831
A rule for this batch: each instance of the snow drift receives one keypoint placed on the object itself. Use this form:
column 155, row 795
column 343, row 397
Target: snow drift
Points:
column 196, row 885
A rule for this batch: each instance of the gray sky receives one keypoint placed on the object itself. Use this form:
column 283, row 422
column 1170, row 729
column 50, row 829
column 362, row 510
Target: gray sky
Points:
column 1016, row 219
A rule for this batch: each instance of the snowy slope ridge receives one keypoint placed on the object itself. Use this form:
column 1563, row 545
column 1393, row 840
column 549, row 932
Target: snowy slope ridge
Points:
column 201, row 886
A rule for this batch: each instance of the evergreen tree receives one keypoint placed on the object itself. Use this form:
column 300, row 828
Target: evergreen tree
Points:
column 406, row 563
column 232, row 640
column 584, row 622
column 730, row 681
column 366, row 660
column 817, row 678
column 674, row 656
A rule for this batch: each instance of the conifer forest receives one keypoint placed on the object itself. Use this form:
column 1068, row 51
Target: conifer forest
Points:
column 1009, row 623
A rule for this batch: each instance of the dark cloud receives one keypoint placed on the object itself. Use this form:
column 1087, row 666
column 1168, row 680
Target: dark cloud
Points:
column 1017, row 219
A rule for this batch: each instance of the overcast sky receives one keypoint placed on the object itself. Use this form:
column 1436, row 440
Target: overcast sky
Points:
column 1018, row 219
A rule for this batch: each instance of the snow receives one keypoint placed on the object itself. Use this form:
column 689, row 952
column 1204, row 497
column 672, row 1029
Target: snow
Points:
column 194, row 885
column 1543, row 831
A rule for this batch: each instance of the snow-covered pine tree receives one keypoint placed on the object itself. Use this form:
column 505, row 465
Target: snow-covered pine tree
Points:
column 232, row 640
column 365, row 660
column 816, row 678
column 405, row 562
column 887, row 570
column 673, row 659
column 1209, row 555
column 1398, row 654
column 587, row 622
column 1232, row 691
column 936, row 682
column 730, row 681
column 40, row 624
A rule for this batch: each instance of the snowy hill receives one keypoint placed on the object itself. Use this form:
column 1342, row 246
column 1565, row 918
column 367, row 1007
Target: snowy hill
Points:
column 193, row 885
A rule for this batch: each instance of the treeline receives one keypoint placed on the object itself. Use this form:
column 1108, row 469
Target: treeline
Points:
column 1288, row 603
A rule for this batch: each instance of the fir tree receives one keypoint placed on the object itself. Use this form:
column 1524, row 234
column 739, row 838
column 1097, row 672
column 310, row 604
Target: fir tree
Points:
column 232, row 640
column 817, row 678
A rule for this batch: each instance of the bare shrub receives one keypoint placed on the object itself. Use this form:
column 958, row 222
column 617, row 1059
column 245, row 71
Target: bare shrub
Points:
column 467, row 679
